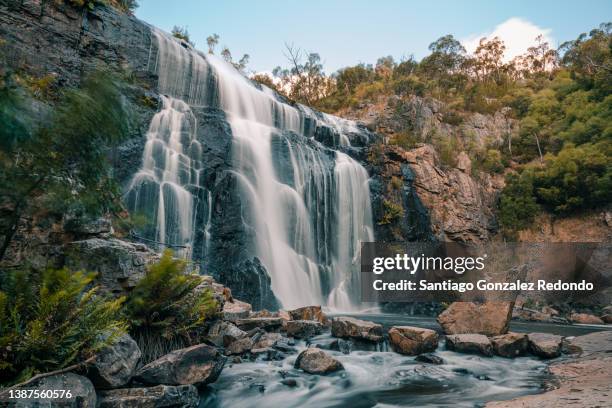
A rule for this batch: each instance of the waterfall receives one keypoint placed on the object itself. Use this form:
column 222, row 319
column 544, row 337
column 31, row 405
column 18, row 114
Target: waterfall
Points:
column 170, row 168
column 307, row 205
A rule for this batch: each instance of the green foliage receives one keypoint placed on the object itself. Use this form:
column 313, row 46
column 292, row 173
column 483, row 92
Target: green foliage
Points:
column 393, row 213
column 493, row 162
column 517, row 205
column 406, row 140
column 61, row 162
column 51, row 320
column 163, row 306
column 182, row 34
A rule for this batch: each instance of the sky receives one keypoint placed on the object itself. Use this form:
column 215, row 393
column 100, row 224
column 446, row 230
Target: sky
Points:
column 347, row 32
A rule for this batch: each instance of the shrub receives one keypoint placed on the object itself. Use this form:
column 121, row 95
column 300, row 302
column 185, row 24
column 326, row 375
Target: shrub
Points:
column 51, row 320
column 164, row 310
column 517, row 205
column 492, row 162
column 393, row 213
column 406, row 140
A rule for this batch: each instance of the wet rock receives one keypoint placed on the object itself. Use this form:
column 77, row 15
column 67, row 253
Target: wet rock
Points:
column 198, row 365
column 585, row 318
column 303, row 329
column 240, row 346
column 607, row 318
column 119, row 264
column 267, row 340
column 345, row 327
column 411, row 341
column 316, row 361
column 224, row 333
column 289, row 382
column 116, row 364
column 510, row 345
column 343, row 346
column 266, row 323
column 236, row 310
column 598, row 342
column 545, row 345
column 262, row 313
column 491, row 318
column 309, row 313
column 83, row 227
column 160, row 396
column 469, row 343
column 81, row 388
column 429, row 358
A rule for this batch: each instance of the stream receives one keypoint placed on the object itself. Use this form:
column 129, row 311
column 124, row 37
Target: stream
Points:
column 378, row 377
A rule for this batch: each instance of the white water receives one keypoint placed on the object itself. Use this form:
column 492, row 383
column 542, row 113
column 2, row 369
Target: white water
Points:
column 309, row 206
column 170, row 166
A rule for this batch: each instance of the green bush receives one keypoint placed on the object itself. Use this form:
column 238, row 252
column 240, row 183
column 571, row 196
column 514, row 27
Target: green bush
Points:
column 492, row 162
column 163, row 309
column 51, row 320
column 517, row 204
column 393, row 213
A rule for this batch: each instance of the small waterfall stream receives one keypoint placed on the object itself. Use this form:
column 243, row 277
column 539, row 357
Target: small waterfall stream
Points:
column 309, row 205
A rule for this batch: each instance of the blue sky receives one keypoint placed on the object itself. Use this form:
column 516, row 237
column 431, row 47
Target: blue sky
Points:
column 346, row 32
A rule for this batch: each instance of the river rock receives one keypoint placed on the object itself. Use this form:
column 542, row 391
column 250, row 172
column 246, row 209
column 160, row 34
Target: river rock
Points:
column 545, row 345
column 116, row 364
column 160, row 396
column 267, row 340
column 360, row 329
column 585, row 318
column 81, row 388
column 236, row 310
column 510, row 345
column 607, row 318
column 429, row 358
column 316, row 361
column 309, row 313
column 266, row 323
column 469, row 343
column 224, row 333
column 490, row 319
column 412, row 340
column 303, row 329
column 240, row 346
column 198, row 365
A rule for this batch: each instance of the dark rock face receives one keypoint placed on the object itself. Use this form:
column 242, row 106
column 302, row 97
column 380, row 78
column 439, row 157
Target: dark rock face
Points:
column 303, row 329
column 345, row 327
column 160, row 396
column 510, row 345
column 412, row 340
column 316, row 361
column 469, row 343
column 429, row 359
column 82, row 390
column 115, row 365
column 119, row 264
column 545, row 345
column 197, row 365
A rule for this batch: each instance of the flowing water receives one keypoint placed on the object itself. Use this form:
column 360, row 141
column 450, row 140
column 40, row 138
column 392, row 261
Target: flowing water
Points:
column 308, row 205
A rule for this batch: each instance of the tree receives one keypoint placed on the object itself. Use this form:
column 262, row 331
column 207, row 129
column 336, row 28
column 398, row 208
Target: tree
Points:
column 488, row 59
column 517, row 205
column 445, row 63
column 182, row 34
column 212, row 41
column 62, row 164
column 240, row 65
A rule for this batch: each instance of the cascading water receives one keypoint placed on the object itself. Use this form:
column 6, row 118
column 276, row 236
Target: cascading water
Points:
column 170, row 169
column 309, row 206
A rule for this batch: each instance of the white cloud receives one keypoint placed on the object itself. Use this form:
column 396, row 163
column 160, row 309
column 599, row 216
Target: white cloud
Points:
column 517, row 34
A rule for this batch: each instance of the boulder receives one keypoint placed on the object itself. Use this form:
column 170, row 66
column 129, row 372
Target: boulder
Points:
column 589, row 344
column 585, row 318
column 316, row 361
column 309, row 313
column 412, row 340
column 198, row 365
column 545, row 345
column 116, row 364
column 345, row 327
column 490, row 319
column 240, row 346
column 266, row 323
column 160, row 396
column 262, row 313
column 83, row 393
column 267, row 340
column 429, row 359
column 607, row 318
column 343, row 346
column 119, row 264
column 303, row 329
column 236, row 310
column 469, row 343
column 510, row 345
column 224, row 333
